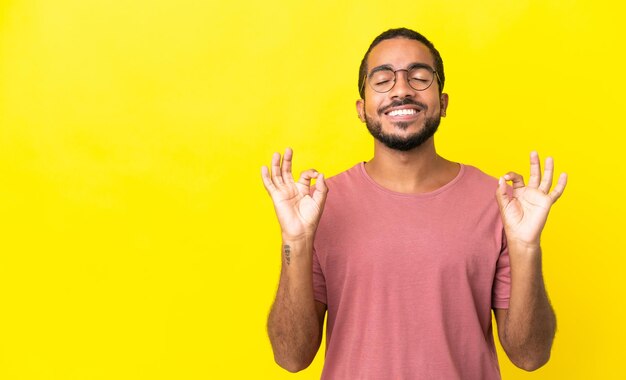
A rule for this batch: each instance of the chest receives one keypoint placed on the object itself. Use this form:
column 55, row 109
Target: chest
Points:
column 410, row 244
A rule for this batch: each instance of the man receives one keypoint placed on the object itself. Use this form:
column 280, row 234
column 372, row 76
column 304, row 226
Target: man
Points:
column 409, row 252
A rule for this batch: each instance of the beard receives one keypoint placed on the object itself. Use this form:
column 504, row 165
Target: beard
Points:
column 401, row 143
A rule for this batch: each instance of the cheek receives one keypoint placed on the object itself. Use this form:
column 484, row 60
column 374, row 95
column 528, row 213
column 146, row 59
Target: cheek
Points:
column 434, row 105
column 372, row 104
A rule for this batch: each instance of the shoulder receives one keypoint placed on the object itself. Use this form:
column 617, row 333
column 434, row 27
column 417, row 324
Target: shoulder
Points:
column 346, row 191
column 346, row 174
column 477, row 186
column 346, row 180
column 477, row 178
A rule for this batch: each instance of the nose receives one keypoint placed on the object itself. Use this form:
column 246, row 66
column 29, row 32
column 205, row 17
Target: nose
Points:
column 402, row 89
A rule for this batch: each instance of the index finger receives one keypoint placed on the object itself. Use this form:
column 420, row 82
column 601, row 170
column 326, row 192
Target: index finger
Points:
column 517, row 179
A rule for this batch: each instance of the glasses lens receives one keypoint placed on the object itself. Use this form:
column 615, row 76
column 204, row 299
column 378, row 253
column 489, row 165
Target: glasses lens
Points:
column 382, row 80
column 420, row 78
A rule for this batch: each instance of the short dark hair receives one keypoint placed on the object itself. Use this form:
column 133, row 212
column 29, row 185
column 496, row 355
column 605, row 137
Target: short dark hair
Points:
column 401, row 33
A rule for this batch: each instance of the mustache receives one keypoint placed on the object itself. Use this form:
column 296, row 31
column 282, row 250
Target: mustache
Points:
column 403, row 102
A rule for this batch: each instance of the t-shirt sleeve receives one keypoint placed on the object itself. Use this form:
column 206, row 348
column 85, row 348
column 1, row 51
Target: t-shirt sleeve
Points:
column 319, row 281
column 501, row 291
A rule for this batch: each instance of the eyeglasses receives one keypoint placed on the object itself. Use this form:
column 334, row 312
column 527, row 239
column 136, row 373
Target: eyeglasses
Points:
column 419, row 78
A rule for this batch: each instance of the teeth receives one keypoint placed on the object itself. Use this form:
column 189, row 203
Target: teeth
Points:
column 402, row 112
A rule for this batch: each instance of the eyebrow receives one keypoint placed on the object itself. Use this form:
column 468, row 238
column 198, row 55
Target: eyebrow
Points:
column 418, row 65
column 414, row 65
column 380, row 68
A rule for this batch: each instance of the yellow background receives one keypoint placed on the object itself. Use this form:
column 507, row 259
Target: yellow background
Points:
column 137, row 241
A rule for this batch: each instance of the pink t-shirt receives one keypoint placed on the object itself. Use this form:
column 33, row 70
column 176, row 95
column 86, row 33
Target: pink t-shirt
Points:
column 410, row 279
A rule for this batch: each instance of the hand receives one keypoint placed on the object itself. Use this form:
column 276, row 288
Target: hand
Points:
column 524, row 214
column 298, row 207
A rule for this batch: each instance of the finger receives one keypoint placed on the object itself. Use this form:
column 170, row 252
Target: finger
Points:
column 548, row 172
column 286, row 166
column 276, row 175
column 502, row 196
column 535, row 170
column 304, row 183
column 556, row 193
column 319, row 196
column 517, row 179
column 267, row 181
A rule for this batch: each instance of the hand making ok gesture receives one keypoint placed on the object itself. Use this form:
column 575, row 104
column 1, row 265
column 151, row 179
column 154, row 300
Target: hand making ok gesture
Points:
column 524, row 214
column 297, row 205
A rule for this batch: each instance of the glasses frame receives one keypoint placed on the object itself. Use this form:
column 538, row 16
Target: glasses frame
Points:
column 395, row 77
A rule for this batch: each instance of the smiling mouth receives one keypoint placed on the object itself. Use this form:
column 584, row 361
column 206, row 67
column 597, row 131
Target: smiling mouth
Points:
column 403, row 112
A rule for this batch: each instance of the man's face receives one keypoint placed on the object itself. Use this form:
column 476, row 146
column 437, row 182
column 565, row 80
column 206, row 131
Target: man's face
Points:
column 402, row 118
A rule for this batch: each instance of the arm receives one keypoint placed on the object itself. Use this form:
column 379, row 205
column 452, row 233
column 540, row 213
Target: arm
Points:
column 296, row 320
column 527, row 328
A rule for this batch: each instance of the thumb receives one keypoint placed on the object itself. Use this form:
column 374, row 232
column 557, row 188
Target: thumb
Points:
column 502, row 195
column 319, row 194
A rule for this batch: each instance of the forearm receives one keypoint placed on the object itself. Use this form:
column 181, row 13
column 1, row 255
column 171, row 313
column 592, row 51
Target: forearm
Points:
column 293, row 325
column 530, row 324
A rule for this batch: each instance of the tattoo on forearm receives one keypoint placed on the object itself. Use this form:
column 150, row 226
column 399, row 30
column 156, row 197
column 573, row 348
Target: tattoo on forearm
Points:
column 287, row 250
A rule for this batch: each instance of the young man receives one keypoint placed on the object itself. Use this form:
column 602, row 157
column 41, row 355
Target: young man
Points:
column 409, row 252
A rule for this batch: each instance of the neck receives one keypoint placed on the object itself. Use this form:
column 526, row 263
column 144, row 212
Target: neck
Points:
column 419, row 170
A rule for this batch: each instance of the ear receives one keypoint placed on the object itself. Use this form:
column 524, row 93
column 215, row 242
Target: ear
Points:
column 360, row 109
column 444, row 104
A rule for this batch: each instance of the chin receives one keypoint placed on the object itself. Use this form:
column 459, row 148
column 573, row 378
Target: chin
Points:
column 407, row 140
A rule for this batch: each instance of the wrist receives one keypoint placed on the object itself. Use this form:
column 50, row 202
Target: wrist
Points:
column 524, row 247
column 523, row 254
column 297, row 251
column 303, row 238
